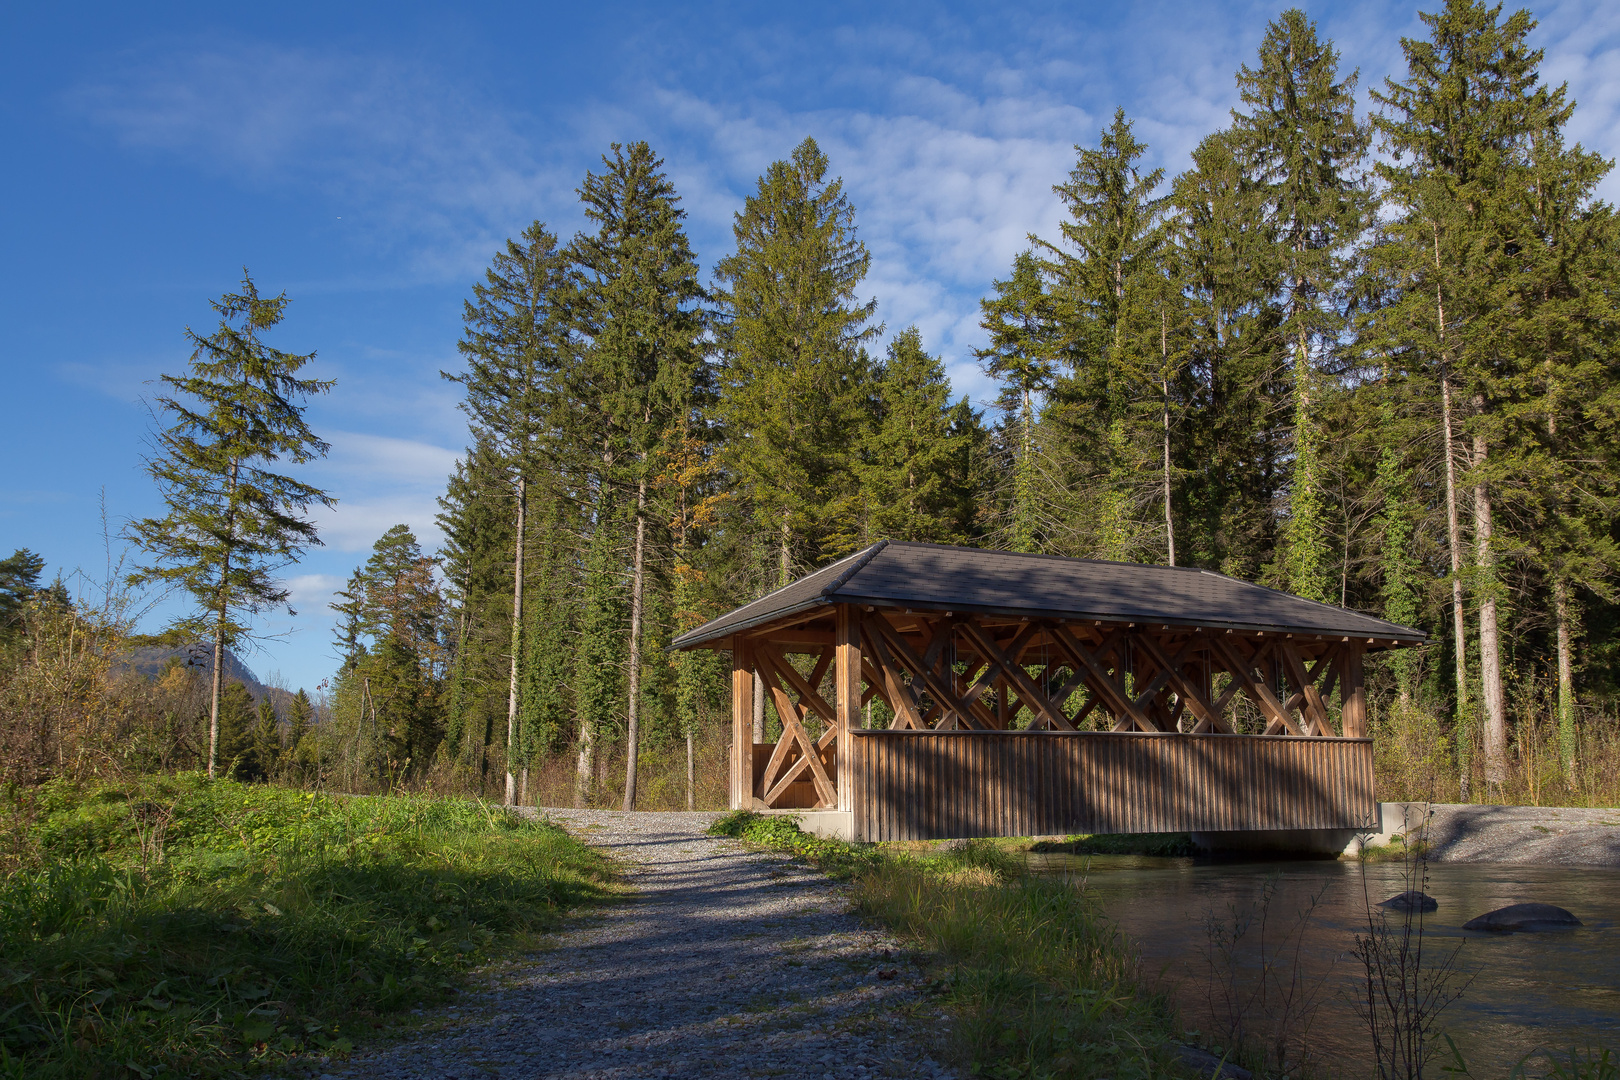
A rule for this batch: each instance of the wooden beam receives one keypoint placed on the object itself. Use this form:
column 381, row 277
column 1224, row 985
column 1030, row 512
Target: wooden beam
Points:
column 1315, row 712
column 1192, row 695
column 1027, row 690
column 846, row 700
column 877, row 627
column 793, row 730
column 1242, row 670
column 899, row 694
column 742, row 724
column 1353, row 717
column 1102, row 683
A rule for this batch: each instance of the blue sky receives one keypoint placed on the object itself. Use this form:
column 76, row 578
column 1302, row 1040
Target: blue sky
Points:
column 369, row 159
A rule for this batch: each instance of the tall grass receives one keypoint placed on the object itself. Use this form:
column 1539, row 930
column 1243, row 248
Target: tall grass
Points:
column 1040, row 983
column 1416, row 760
column 173, row 926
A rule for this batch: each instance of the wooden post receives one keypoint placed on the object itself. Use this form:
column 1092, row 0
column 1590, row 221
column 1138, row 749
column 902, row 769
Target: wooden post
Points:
column 742, row 723
column 1353, row 690
column 847, row 703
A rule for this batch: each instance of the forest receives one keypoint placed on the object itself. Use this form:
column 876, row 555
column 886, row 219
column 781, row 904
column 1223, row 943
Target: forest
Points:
column 1369, row 358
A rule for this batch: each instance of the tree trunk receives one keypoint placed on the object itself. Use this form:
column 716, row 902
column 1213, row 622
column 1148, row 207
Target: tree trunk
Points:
column 517, row 642
column 1169, row 521
column 1566, row 681
column 585, row 771
column 632, row 727
column 691, row 776
column 759, row 708
column 219, row 664
column 523, row 787
column 787, row 548
column 1490, row 646
column 1459, row 628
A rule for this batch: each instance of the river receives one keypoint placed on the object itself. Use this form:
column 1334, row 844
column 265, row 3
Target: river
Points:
column 1529, row 992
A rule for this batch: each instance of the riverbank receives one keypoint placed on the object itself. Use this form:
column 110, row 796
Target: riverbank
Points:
column 1519, row 835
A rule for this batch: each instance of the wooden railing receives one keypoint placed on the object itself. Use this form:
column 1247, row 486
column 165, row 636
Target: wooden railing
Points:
column 925, row 785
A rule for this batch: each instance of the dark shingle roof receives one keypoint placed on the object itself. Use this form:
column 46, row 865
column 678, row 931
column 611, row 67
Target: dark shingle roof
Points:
column 933, row 577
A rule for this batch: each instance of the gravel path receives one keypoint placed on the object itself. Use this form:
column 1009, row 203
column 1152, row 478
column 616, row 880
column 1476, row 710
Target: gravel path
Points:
column 725, row 962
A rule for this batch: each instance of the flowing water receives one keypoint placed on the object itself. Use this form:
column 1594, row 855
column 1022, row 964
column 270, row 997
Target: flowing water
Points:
column 1529, row 991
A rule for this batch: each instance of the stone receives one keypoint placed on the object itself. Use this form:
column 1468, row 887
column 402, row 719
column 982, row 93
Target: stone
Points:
column 1527, row 917
column 1412, row 901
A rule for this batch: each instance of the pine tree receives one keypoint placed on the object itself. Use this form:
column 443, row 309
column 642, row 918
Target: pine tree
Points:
column 907, row 478
column 1462, row 129
column 1306, row 147
column 1021, row 321
column 299, row 758
column 1224, row 265
column 636, row 300
column 792, row 380
column 231, row 724
column 19, row 580
column 232, row 523
column 1105, row 271
column 514, row 346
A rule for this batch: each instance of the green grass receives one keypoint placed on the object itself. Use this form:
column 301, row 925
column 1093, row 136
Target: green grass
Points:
column 180, row 927
column 1041, row 985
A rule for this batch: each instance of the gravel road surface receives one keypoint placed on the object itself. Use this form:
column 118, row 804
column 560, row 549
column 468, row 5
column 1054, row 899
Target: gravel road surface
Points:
column 724, row 962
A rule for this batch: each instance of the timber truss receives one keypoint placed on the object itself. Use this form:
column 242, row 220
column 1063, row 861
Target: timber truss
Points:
column 944, row 671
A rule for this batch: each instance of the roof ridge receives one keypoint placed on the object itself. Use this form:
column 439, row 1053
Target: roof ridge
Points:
column 861, row 559
column 1059, row 558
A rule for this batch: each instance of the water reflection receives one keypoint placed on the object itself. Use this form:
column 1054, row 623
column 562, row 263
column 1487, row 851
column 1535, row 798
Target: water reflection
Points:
column 1530, row 991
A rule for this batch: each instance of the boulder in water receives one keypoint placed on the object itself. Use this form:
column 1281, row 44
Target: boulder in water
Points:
column 1412, row 901
column 1528, row 917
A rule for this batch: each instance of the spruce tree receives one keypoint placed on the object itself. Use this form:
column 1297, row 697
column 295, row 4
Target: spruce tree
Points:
column 635, row 300
column 792, row 377
column 1462, row 129
column 232, row 523
column 907, row 477
column 1305, row 147
column 1021, row 321
column 1105, row 271
column 514, row 345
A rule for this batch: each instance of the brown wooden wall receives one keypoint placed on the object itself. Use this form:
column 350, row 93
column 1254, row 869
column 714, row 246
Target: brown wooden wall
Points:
column 931, row 785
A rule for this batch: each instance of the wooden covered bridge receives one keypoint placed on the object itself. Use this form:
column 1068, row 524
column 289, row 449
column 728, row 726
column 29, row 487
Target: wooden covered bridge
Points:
column 1037, row 695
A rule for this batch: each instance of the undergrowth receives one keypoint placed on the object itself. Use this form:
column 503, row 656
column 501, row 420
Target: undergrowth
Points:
column 1159, row 844
column 173, row 926
column 1041, row 984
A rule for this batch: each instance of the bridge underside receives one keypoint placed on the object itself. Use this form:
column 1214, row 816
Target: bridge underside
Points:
column 1010, row 726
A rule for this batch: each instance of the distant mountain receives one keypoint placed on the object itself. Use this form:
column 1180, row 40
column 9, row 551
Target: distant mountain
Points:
column 148, row 660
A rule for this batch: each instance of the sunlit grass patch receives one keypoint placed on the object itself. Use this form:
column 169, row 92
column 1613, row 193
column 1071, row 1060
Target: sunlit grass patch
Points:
column 1040, row 984
column 176, row 926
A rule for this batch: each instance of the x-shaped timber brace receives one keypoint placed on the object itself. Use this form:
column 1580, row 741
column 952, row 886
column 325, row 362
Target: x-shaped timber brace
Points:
column 946, row 671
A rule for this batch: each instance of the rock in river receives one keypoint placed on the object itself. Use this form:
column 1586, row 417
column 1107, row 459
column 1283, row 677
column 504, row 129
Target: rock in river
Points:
column 1412, row 901
column 1530, row 917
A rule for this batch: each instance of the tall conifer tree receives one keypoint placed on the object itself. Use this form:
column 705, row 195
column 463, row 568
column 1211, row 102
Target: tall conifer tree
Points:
column 232, row 522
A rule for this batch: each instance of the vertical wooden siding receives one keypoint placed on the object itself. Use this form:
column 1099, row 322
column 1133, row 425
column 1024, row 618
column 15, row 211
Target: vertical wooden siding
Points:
column 929, row 785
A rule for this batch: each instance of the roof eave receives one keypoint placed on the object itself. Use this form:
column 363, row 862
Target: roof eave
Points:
column 702, row 635
column 1406, row 636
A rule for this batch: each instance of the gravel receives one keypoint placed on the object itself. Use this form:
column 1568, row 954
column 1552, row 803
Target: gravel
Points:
column 724, row 962
column 1530, row 835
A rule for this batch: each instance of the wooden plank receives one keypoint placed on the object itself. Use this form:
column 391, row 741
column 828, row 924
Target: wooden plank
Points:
column 742, row 724
column 846, row 699
column 1353, row 716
